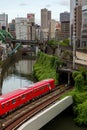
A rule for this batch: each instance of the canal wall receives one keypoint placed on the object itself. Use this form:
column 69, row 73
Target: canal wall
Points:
column 42, row 118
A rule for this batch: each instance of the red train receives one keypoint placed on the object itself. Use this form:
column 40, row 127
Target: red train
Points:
column 15, row 99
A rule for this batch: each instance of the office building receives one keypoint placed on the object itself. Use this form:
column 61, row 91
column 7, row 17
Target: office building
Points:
column 65, row 25
column 45, row 23
column 45, row 18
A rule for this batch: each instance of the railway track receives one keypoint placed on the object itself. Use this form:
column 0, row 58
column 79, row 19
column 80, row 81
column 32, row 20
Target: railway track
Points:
column 18, row 117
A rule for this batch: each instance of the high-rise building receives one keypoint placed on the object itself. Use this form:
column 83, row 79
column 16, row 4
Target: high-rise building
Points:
column 4, row 21
column 45, row 18
column 75, row 13
column 65, row 24
column 77, row 24
column 65, row 16
column 45, row 23
column 84, row 27
column 73, row 5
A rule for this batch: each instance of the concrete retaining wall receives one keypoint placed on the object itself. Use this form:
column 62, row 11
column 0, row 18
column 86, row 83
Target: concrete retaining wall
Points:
column 47, row 115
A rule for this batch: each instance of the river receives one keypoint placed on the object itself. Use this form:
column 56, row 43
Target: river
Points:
column 17, row 76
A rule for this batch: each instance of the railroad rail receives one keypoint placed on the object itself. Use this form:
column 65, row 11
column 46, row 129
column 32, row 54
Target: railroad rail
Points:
column 18, row 117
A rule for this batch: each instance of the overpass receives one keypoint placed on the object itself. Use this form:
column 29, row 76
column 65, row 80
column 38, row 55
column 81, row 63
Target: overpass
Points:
column 43, row 117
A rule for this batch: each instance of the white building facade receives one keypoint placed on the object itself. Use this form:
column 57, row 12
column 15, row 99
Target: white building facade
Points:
column 21, row 28
column 25, row 27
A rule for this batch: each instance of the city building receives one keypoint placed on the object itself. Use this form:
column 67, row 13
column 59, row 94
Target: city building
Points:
column 21, row 28
column 75, row 7
column 84, row 27
column 45, row 18
column 4, row 21
column 31, row 26
column 12, row 28
column 65, row 16
column 65, row 25
column 77, row 24
column 31, row 18
column 52, row 29
column 37, row 32
column 45, row 23
column 58, row 35
column 25, row 27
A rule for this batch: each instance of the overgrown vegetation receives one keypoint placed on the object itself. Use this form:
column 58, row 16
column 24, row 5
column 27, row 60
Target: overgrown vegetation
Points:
column 46, row 66
column 80, row 96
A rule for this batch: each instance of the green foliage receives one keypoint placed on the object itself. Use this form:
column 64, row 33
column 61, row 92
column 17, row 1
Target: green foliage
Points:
column 81, row 112
column 45, row 67
column 80, row 78
column 53, row 42
column 64, row 42
column 75, row 73
column 79, row 106
column 79, row 82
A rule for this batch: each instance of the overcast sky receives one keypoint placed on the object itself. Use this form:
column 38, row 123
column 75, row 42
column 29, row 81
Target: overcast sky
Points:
column 20, row 8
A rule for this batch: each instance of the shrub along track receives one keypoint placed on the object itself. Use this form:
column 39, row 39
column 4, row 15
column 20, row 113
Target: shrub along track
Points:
column 18, row 117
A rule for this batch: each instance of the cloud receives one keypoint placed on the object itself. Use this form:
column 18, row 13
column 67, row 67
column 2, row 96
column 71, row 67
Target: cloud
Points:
column 62, row 2
column 48, row 5
column 23, row 4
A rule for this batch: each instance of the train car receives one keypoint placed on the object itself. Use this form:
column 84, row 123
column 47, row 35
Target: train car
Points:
column 17, row 98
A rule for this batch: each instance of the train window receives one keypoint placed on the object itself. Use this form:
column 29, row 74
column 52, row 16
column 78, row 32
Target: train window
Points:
column 42, row 88
column 23, row 96
column 30, row 93
column 18, row 98
column 35, row 90
column 3, row 106
column 8, row 103
column 13, row 101
column 48, row 85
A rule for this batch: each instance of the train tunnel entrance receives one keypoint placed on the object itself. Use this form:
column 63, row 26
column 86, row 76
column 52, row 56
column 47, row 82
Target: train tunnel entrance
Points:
column 65, row 77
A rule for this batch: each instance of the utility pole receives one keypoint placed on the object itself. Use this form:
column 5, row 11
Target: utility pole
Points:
column 74, row 54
